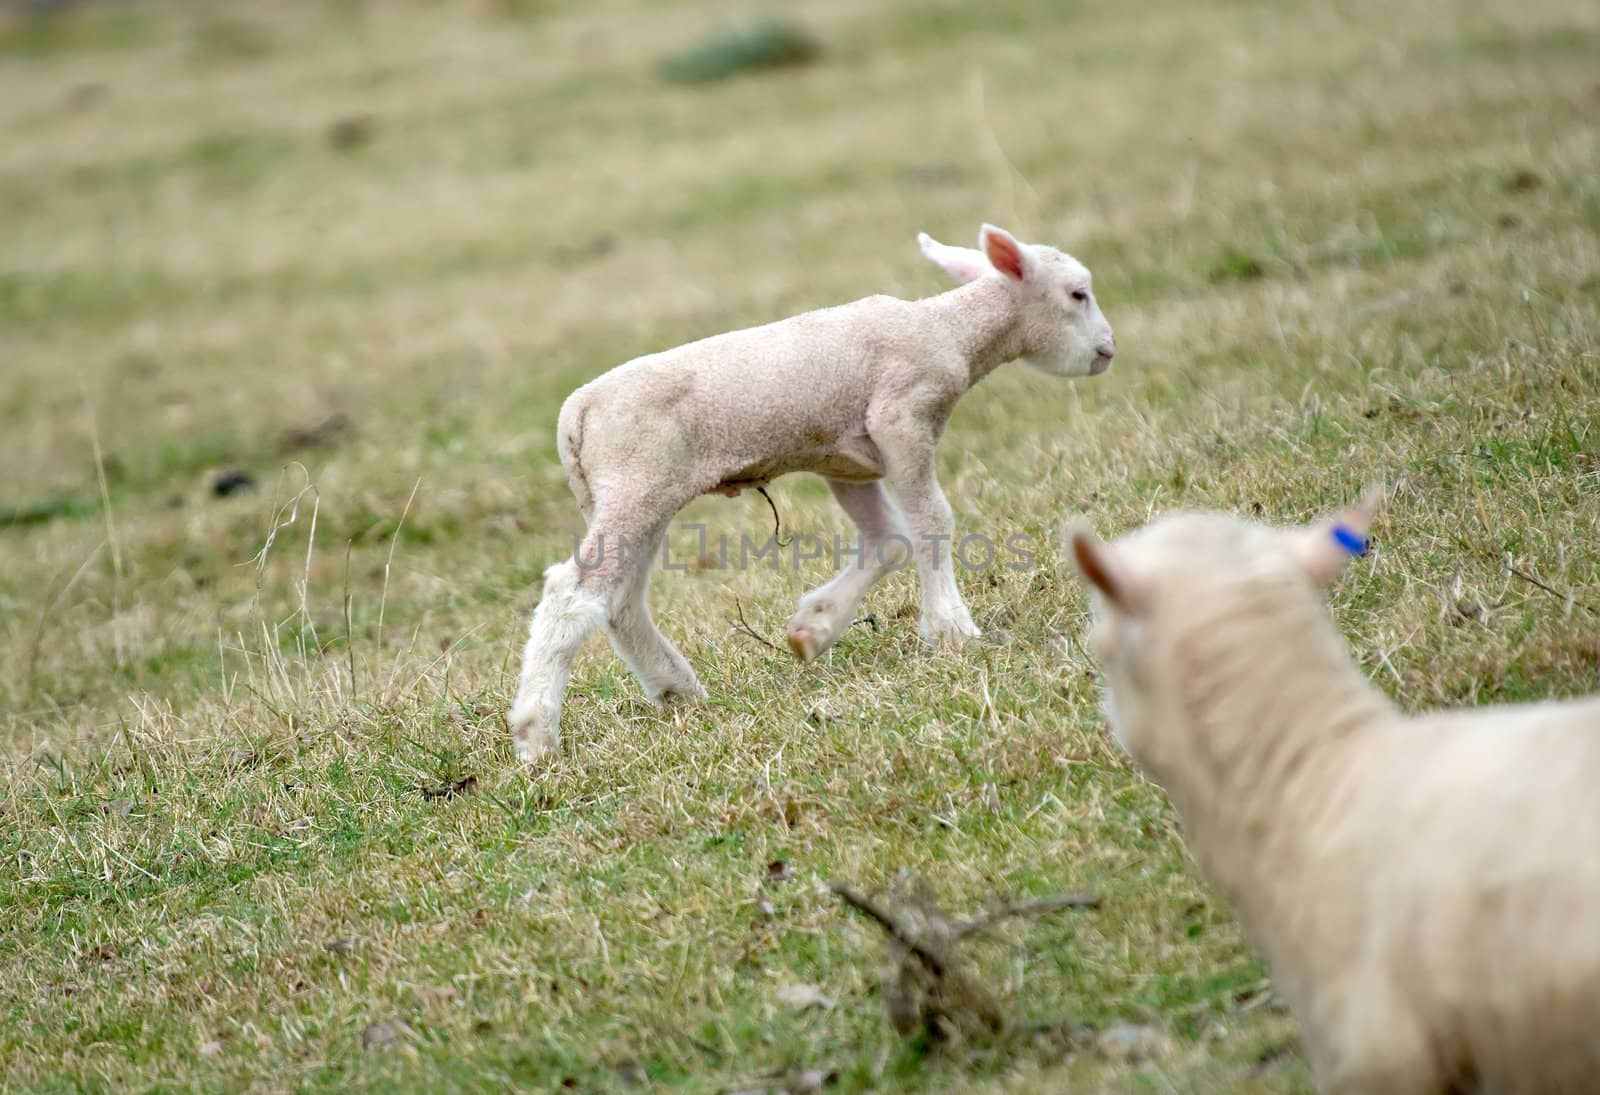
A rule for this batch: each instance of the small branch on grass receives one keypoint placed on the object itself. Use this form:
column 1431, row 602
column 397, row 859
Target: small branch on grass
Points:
column 744, row 628
column 936, row 959
column 1035, row 907
column 925, row 984
column 1521, row 575
column 1565, row 598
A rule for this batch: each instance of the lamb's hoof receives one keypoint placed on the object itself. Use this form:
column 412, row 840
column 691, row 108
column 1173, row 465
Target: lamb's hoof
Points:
column 951, row 633
column 533, row 741
column 814, row 628
column 681, row 697
column 805, row 643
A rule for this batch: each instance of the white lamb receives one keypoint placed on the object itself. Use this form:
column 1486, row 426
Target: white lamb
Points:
column 856, row 394
column 1426, row 888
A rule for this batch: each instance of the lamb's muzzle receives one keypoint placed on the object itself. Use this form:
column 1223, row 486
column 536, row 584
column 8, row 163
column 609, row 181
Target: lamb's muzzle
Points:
column 1102, row 358
column 858, row 394
column 1425, row 888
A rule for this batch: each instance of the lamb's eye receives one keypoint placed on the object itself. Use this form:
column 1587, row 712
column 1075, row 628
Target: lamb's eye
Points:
column 1079, row 294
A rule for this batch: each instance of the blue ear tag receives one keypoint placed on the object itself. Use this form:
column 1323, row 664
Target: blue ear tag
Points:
column 1349, row 539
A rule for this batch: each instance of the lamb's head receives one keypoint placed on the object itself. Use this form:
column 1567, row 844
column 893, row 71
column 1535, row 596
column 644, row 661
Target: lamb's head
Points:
column 1063, row 326
column 1167, row 596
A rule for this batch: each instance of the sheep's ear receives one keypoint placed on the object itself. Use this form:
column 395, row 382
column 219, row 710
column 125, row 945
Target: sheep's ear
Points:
column 1005, row 254
column 1327, row 546
column 961, row 263
column 1098, row 564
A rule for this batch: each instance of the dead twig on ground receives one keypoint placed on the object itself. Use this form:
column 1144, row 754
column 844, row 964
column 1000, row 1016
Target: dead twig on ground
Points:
column 925, row 984
column 741, row 626
column 1565, row 598
column 1028, row 908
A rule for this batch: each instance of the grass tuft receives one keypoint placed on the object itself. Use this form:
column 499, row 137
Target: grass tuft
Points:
column 45, row 30
column 48, row 509
column 739, row 49
column 1236, row 265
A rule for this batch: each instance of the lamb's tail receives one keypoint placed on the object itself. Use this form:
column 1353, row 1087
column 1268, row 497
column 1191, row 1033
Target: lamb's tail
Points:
column 569, row 446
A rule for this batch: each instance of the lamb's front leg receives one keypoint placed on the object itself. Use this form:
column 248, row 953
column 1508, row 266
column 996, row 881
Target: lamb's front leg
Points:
column 944, row 614
column 827, row 611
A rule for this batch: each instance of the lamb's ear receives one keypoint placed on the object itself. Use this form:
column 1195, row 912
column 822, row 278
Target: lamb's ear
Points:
column 961, row 263
column 1327, row 546
column 1098, row 564
column 1004, row 253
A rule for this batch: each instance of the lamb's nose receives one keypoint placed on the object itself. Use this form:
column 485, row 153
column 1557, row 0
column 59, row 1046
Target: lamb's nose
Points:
column 1107, row 350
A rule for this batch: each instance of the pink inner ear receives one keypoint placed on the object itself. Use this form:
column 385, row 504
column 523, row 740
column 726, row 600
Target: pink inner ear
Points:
column 1087, row 553
column 1004, row 256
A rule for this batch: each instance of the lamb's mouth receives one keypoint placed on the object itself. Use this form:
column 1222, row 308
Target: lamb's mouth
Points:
column 1101, row 363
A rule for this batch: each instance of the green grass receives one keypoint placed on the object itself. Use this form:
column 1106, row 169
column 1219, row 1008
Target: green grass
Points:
column 732, row 50
column 53, row 32
column 1315, row 229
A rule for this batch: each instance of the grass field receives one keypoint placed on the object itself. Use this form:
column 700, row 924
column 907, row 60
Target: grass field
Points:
column 360, row 251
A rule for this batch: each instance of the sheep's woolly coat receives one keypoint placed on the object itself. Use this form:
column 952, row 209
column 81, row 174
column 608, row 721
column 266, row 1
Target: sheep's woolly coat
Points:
column 1426, row 889
column 808, row 393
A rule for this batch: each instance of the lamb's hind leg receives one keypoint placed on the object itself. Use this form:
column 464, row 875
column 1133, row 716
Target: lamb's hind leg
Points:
column 662, row 671
column 827, row 611
column 563, row 619
column 578, row 596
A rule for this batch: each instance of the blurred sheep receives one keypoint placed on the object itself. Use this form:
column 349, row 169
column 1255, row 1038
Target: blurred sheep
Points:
column 1427, row 888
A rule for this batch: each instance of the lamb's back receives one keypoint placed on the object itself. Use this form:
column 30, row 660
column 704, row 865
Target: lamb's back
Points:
column 828, row 357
